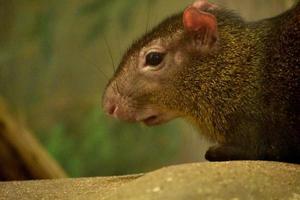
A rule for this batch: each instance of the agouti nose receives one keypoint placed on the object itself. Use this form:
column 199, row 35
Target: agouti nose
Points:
column 111, row 109
column 111, row 102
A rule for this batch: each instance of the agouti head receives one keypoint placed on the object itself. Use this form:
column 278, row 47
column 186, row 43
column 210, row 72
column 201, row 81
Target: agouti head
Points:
column 153, row 81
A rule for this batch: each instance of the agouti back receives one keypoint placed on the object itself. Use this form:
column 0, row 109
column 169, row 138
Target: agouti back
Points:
column 237, row 81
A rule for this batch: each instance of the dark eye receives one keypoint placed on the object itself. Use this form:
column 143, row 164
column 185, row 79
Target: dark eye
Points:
column 154, row 58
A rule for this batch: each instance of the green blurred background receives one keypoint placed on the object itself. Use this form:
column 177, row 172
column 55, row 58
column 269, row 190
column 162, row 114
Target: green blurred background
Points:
column 54, row 60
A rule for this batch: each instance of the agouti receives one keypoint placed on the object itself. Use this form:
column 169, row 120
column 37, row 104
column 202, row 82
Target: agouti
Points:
column 237, row 81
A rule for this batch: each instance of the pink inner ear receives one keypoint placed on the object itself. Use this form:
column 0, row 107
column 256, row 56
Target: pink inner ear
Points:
column 204, row 5
column 195, row 20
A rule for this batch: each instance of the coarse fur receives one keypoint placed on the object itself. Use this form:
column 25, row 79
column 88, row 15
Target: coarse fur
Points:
column 242, row 93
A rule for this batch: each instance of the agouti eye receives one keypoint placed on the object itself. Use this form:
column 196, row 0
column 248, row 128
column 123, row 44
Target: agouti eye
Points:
column 154, row 58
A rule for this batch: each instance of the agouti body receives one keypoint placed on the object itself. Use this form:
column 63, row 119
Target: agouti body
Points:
column 237, row 81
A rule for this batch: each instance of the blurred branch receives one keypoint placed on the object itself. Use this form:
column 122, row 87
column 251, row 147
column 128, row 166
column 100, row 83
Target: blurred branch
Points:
column 21, row 155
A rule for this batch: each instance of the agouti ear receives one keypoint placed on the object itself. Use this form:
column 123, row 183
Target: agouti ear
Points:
column 201, row 25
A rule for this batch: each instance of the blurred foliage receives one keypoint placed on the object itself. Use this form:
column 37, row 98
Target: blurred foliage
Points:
column 125, row 12
column 53, row 64
column 112, row 151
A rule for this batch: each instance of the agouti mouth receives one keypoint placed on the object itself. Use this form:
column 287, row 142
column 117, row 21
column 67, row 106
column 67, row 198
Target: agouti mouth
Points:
column 152, row 120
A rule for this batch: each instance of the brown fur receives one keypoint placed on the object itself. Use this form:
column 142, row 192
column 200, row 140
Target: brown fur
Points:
column 242, row 94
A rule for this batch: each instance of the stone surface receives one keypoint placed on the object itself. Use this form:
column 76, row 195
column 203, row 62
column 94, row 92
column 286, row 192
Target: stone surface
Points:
column 227, row 180
column 63, row 189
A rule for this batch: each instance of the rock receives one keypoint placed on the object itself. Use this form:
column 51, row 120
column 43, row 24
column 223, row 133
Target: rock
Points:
column 210, row 181
column 63, row 189
column 227, row 180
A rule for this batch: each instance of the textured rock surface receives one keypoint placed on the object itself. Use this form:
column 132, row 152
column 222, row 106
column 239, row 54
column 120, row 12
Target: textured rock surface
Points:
column 62, row 189
column 227, row 180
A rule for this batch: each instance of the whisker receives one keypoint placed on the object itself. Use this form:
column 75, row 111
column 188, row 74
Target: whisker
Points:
column 85, row 59
column 119, row 44
column 97, row 67
column 110, row 53
column 148, row 15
